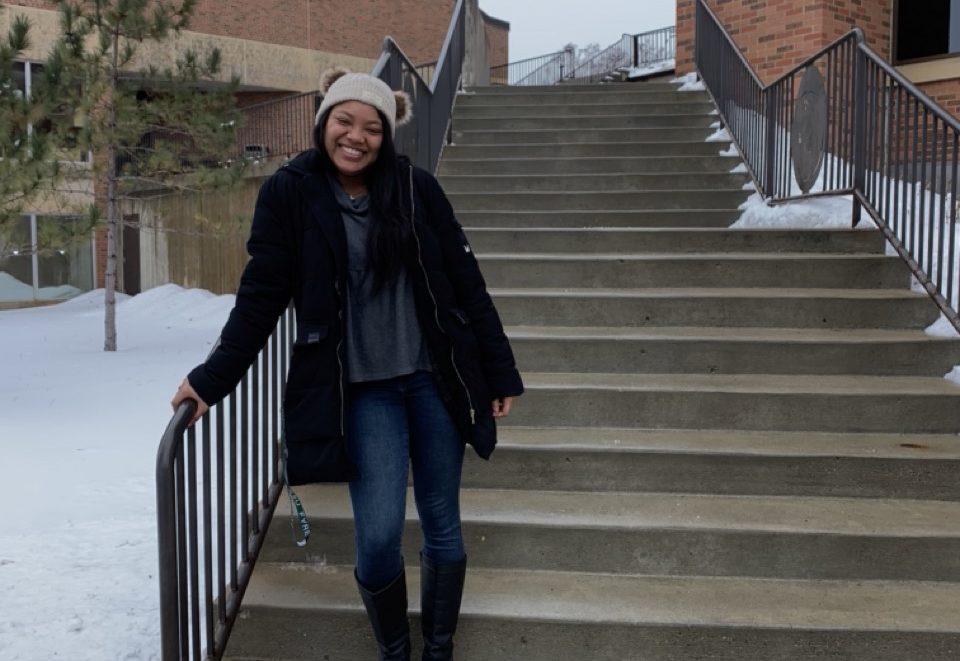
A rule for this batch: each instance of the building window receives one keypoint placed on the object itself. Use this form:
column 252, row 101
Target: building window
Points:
column 927, row 33
column 45, row 258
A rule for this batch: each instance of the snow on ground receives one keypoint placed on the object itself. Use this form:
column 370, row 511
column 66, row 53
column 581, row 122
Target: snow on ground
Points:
column 12, row 289
column 79, row 430
column 720, row 135
column 689, row 83
column 815, row 213
column 651, row 69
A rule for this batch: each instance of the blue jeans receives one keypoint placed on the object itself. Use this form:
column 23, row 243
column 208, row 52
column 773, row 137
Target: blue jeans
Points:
column 389, row 421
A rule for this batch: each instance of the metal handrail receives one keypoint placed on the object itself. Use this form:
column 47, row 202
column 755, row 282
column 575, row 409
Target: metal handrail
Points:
column 882, row 141
column 546, row 69
column 625, row 52
column 277, row 129
column 199, row 602
column 424, row 137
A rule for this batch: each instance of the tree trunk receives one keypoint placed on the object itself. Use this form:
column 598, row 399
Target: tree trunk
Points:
column 110, row 277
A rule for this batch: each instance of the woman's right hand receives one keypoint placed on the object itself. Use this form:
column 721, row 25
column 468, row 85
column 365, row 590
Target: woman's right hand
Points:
column 186, row 391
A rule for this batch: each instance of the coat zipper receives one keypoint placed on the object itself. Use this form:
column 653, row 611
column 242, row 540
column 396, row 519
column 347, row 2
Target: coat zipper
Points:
column 339, row 358
column 436, row 313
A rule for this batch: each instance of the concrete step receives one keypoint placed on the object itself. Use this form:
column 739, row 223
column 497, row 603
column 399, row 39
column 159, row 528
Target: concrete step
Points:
column 588, row 150
column 507, row 123
column 589, row 89
column 667, row 534
column 711, row 461
column 582, row 135
column 565, row 95
column 576, row 200
column 708, row 270
column 608, row 165
column 673, row 241
column 757, row 402
column 611, row 270
column 631, row 218
column 585, row 109
column 294, row 613
column 732, row 351
column 733, row 308
column 646, row 181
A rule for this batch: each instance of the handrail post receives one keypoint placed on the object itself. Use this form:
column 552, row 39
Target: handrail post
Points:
column 636, row 51
column 771, row 102
column 859, row 132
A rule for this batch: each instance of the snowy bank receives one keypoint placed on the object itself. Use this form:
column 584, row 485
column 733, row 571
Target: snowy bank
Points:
column 78, row 557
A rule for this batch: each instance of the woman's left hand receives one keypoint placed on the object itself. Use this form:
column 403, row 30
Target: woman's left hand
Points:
column 501, row 406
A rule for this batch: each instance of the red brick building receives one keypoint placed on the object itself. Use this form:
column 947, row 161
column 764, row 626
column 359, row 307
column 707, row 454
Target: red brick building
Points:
column 922, row 39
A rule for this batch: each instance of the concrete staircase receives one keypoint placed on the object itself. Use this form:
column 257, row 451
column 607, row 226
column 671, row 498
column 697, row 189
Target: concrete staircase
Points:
column 735, row 444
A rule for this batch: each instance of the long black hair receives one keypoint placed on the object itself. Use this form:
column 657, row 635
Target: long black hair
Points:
column 389, row 241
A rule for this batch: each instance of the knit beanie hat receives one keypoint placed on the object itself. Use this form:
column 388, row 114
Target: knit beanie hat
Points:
column 339, row 85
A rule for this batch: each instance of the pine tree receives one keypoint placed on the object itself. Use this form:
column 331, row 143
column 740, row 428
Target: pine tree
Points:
column 26, row 166
column 148, row 128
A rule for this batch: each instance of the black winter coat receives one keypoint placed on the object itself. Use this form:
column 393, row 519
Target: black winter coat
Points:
column 298, row 251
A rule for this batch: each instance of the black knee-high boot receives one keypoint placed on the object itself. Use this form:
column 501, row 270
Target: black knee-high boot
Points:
column 441, row 588
column 387, row 610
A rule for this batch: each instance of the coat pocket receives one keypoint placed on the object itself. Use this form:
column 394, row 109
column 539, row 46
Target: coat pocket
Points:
column 311, row 334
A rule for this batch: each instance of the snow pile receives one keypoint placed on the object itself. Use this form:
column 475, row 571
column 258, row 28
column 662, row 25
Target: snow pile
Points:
column 80, row 428
column 815, row 213
column 12, row 289
column 689, row 83
column 720, row 135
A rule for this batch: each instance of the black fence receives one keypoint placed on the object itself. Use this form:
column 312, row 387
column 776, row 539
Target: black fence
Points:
column 216, row 492
column 277, row 129
column 547, row 69
column 844, row 122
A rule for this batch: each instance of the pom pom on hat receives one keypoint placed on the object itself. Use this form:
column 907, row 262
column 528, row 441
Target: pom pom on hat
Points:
column 339, row 85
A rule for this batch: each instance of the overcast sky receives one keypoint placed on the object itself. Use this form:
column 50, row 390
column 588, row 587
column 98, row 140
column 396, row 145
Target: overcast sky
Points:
column 538, row 27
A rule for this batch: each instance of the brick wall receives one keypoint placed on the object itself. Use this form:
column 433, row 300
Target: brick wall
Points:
column 946, row 93
column 776, row 35
column 351, row 27
column 497, row 32
column 356, row 27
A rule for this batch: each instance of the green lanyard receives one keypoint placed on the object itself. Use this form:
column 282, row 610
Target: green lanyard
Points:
column 298, row 517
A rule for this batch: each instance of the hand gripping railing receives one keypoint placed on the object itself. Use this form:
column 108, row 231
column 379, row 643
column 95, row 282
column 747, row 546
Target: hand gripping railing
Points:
column 423, row 138
column 885, row 143
column 216, row 492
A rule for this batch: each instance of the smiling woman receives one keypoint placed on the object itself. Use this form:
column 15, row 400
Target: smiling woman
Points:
column 400, row 358
column 352, row 136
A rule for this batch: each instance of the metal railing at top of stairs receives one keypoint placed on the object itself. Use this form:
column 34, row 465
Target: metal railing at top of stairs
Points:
column 844, row 122
column 217, row 488
column 546, row 69
column 632, row 50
